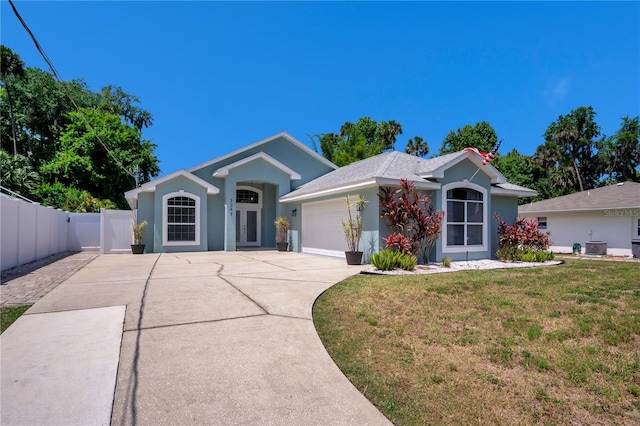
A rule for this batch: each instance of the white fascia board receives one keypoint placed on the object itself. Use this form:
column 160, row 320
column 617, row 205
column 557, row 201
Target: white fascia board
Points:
column 224, row 171
column 282, row 134
column 420, row 184
column 513, row 192
column 599, row 209
column 151, row 186
column 358, row 185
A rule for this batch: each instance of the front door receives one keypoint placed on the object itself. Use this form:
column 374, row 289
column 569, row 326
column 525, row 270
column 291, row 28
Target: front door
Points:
column 247, row 226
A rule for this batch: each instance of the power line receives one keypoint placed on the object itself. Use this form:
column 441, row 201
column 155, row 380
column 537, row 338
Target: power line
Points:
column 59, row 80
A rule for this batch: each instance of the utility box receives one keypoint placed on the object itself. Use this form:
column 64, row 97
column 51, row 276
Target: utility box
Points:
column 596, row 247
column 635, row 248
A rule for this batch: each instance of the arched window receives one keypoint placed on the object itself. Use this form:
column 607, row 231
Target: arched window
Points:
column 466, row 219
column 181, row 219
column 247, row 196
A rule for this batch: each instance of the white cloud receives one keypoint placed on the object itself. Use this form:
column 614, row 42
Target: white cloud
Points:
column 557, row 90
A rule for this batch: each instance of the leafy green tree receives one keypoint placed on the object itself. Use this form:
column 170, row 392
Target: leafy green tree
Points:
column 522, row 170
column 17, row 173
column 620, row 154
column 576, row 136
column 41, row 107
column 83, row 161
column 52, row 137
column 116, row 101
column 481, row 136
column 70, row 199
column 359, row 140
column 417, row 146
column 11, row 65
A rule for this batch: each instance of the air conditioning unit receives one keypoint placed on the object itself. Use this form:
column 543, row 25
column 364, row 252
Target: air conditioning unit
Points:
column 596, row 247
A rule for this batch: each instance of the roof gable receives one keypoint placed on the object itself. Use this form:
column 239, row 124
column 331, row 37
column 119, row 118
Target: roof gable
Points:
column 284, row 135
column 224, row 171
column 151, row 186
column 434, row 168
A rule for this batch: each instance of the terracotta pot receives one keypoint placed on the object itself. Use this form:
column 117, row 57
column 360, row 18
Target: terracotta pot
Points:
column 353, row 257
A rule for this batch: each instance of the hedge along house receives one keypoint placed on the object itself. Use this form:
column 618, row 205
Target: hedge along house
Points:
column 458, row 184
column 232, row 201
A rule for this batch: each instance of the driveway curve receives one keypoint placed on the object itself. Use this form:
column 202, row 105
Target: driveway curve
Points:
column 219, row 338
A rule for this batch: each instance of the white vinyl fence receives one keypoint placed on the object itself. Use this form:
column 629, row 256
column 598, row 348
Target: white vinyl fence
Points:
column 30, row 231
column 84, row 231
column 115, row 231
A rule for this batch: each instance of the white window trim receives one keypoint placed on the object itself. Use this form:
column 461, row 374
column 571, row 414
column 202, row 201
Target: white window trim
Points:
column 250, row 188
column 545, row 222
column 165, row 218
column 485, row 223
column 244, row 207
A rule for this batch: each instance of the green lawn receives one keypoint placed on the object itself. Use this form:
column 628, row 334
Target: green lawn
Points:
column 8, row 315
column 551, row 345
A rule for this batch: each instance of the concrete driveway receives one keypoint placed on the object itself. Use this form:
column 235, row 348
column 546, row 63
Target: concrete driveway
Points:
column 207, row 338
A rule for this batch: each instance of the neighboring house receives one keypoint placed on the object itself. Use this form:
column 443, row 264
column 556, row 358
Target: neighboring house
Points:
column 232, row 201
column 610, row 215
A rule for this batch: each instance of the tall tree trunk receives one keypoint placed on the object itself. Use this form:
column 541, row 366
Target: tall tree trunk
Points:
column 578, row 174
column 13, row 121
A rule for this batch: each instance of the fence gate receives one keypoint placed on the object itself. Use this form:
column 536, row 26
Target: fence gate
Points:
column 115, row 231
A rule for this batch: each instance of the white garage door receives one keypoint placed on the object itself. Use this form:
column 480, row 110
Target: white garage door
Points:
column 322, row 227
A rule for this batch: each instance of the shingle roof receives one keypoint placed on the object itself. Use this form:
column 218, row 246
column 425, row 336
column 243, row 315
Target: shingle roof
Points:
column 432, row 164
column 390, row 167
column 620, row 196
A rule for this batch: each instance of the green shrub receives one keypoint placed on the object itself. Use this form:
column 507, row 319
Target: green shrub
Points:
column 406, row 261
column 509, row 253
column 528, row 256
column 384, row 260
column 542, row 256
column 446, row 262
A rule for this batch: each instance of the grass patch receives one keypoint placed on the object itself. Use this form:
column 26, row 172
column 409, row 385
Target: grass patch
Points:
column 9, row 314
column 553, row 345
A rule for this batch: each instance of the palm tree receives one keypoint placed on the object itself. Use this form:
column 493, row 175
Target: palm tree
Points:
column 17, row 173
column 11, row 64
column 417, row 146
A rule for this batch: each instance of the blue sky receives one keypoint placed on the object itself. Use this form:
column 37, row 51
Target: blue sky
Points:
column 220, row 75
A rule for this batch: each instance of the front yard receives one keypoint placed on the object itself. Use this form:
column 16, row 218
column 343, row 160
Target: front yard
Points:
column 551, row 345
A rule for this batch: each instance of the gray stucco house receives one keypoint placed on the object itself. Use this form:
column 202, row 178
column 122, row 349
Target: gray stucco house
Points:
column 231, row 201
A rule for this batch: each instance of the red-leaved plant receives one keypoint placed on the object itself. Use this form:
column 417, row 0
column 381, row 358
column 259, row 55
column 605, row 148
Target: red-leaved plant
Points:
column 415, row 225
column 522, row 235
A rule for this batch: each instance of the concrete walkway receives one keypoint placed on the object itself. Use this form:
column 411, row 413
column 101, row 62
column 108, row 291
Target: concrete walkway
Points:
column 208, row 338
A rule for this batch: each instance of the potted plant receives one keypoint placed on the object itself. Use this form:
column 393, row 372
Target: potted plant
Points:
column 138, row 230
column 353, row 230
column 282, row 226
